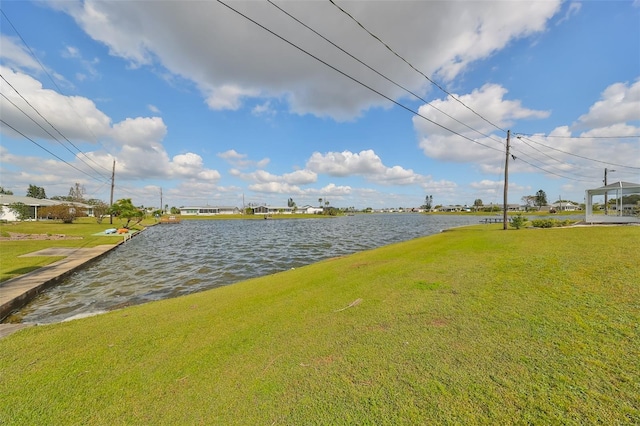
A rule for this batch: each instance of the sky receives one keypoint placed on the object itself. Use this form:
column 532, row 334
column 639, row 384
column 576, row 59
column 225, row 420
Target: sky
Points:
column 360, row 103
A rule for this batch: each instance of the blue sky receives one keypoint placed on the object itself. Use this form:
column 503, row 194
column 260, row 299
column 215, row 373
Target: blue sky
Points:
column 193, row 99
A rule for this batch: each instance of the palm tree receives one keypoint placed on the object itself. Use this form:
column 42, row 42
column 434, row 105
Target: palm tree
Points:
column 320, row 201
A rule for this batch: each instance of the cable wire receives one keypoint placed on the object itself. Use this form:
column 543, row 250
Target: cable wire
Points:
column 519, row 136
column 414, row 68
column 353, row 78
column 378, row 72
column 45, row 149
column 46, row 131
column 56, row 85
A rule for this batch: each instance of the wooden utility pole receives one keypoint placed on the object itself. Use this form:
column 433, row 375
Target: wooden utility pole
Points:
column 505, row 220
column 113, row 176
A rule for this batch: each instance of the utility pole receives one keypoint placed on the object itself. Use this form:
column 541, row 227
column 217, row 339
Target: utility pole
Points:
column 606, row 205
column 506, row 183
column 113, row 176
column 161, row 211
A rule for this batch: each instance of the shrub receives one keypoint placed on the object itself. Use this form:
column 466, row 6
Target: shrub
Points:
column 518, row 221
column 65, row 212
column 551, row 223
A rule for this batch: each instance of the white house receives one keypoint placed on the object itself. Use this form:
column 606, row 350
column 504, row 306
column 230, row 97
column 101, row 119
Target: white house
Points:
column 307, row 209
column 34, row 205
column 208, row 210
column 272, row 210
column 565, row 206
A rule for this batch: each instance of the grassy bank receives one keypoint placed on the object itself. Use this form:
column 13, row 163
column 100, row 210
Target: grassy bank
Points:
column 53, row 234
column 475, row 325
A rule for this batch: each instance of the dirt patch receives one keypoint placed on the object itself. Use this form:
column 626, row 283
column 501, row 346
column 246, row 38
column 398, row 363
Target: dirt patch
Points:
column 16, row 236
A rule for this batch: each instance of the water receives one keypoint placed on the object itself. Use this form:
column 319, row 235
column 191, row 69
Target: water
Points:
column 173, row 260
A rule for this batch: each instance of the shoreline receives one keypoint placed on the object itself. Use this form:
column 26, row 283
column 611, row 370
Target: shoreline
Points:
column 19, row 291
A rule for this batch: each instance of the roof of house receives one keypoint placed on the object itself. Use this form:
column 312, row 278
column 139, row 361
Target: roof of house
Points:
column 29, row 201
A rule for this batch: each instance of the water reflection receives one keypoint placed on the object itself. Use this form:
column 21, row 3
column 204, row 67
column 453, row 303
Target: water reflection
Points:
column 172, row 260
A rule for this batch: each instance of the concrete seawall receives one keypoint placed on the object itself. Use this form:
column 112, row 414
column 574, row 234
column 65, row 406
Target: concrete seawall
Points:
column 18, row 292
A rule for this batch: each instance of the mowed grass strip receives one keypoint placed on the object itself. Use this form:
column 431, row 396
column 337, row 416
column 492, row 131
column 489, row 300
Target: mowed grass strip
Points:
column 82, row 233
column 475, row 325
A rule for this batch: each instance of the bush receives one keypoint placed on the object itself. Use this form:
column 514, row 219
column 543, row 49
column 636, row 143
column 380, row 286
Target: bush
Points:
column 551, row 223
column 67, row 213
column 518, row 221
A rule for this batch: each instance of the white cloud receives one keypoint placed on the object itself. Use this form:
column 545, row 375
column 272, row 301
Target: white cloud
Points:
column 135, row 143
column 264, row 110
column 241, row 160
column 573, row 9
column 478, row 144
column 14, row 54
column 619, row 103
column 366, row 163
column 223, row 47
column 75, row 117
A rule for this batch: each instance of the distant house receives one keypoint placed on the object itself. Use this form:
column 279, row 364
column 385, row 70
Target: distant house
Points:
column 208, row 210
column 565, row 206
column 619, row 213
column 450, row 208
column 272, row 210
column 307, row 209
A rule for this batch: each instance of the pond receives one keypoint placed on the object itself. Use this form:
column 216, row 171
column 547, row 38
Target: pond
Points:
column 172, row 260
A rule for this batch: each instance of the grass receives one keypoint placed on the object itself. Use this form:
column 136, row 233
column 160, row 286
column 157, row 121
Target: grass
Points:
column 475, row 325
column 12, row 265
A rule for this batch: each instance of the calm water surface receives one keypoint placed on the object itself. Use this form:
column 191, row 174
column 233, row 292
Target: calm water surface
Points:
column 172, row 260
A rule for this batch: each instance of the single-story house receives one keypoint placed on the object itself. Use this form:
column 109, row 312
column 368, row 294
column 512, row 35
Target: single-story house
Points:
column 34, row 205
column 565, row 206
column 208, row 210
column 307, row 209
column 272, row 210
column 620, row 213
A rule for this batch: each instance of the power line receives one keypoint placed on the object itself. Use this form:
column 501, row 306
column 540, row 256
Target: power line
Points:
column 45, row 130
column 378, row 72
column 414, row 68
column 548, row 156
column 56, row 85
column 542, row 135
column 520, row 136
column 355, row 79
column 45, row 149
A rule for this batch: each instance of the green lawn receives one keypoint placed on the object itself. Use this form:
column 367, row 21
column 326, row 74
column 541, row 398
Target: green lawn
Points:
column 475, row 325
column 12, row 265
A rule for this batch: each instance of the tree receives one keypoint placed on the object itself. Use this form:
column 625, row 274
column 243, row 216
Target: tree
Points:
column 36, row 192
column 5, row 191
column 67, row 213
column 290, row 202
column 76, row 193
column 541, row 198
column 320, row 201
column 21, row 210
column 529, row 201
column 125, row 210
column 175, row 210
column 477, row 203
column 428, row 201
column 100, row 209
